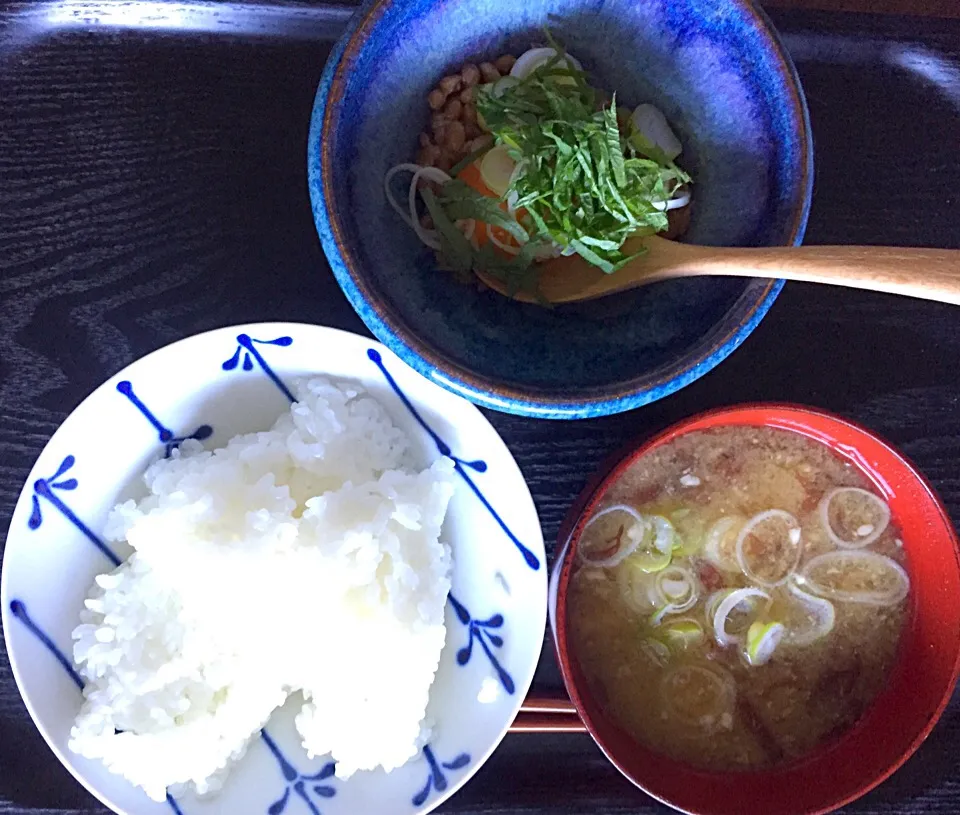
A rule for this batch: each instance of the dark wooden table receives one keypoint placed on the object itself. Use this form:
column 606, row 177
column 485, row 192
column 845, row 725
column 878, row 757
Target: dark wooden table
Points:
column 152, row 185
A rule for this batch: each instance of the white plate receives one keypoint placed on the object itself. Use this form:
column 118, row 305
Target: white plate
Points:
column 232, row 380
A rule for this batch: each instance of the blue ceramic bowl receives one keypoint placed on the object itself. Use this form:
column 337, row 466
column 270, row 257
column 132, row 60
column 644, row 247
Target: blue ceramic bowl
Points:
column 718, row 71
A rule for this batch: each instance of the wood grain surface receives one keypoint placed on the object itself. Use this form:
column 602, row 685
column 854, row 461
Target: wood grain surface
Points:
column 152, row 186
column 921, row 8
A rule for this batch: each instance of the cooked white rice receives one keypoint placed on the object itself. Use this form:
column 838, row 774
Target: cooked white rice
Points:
column 303, row 558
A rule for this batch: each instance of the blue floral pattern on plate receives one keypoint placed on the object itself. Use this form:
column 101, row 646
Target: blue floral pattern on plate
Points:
column 247, row 350
column 310, row 790
column 480, row 630
column 44, row 488
column 167, row 437
column 297, row 783
column 19, row 610
column 437, row 779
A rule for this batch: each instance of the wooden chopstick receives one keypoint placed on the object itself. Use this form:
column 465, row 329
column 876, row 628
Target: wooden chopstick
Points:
column 547, row 714
column 542, row 703
column 547, row 723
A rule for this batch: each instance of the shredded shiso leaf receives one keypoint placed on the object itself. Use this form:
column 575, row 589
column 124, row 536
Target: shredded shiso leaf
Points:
column 581, row 184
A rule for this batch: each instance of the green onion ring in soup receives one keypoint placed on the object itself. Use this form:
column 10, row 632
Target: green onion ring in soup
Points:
column 746, row 591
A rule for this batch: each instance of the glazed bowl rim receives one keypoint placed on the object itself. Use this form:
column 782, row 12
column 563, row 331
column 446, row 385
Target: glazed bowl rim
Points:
column 385, row 321
column 614, row 466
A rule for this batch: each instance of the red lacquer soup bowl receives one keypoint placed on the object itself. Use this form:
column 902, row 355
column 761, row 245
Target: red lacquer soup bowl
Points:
column 917, row 690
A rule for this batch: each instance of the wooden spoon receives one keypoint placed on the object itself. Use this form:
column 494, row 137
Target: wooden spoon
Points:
column 933, row 274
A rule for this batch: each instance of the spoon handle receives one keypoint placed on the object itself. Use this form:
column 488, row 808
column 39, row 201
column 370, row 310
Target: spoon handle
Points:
column 932, row 274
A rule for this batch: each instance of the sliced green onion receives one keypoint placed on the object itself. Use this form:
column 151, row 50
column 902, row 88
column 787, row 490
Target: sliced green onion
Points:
column 504, row 84
column 611, row 535
column 657, row 617
column 688, row 529
column 637, row 585
column 714, row 600
column 817, row 617
column 856, row 576
column 762, row 641
column 535, row 58
column 721, row 604
column 455, row 247
column 870, row 516
column 682, row 634
column 720, row 545
column 655, row 650
column 650, row 560
column 676, row 590
column 666, row 535
column 678, row 586
column 655, row 137
column 469, row 159
column 635, row 574
column 496, row 169
column 789, row 548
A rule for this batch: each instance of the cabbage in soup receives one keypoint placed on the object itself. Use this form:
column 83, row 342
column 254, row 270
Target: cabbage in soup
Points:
column 738, row 597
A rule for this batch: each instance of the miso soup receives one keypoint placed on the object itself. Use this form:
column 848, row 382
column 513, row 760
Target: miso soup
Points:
column 738, row 597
